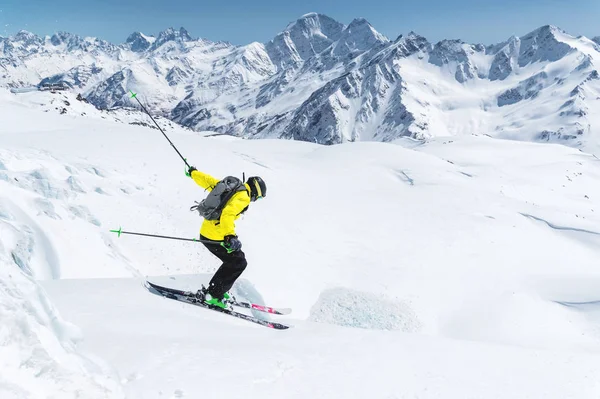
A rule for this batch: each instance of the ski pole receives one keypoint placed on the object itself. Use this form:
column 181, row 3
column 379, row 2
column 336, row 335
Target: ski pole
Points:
column 221, row 243
column 134, row 95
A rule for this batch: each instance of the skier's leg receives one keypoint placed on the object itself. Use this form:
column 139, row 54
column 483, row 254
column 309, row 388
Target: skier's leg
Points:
column 233, row 266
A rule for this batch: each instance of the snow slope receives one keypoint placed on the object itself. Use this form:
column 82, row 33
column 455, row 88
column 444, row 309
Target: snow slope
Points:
column 177, row 351
column 459, row 267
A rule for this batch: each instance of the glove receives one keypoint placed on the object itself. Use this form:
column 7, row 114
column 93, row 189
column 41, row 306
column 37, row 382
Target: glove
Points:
column 190, row 170
column 232, row 243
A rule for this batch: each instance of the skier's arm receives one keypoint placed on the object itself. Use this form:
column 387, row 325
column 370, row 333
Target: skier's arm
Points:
column 204, row 180
column 233, row 208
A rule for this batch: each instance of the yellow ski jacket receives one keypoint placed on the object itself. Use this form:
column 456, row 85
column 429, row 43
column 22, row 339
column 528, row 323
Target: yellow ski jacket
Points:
column 217, row 229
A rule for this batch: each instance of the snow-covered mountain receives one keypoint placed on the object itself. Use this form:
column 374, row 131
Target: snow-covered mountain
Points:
column 322, row 81
column 303, row 39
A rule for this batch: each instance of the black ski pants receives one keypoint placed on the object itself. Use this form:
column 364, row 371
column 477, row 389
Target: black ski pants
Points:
column 233, row 266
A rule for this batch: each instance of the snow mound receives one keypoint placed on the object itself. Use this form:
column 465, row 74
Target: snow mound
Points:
column 351, row 308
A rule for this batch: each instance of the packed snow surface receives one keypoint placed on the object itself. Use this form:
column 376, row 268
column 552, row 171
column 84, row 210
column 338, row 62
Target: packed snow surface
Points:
column 456, row 268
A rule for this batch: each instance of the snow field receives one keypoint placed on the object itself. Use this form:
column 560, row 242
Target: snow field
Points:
column 461, row 267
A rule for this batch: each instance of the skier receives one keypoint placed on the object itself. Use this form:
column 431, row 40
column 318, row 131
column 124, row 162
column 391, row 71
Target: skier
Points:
column 219, row 236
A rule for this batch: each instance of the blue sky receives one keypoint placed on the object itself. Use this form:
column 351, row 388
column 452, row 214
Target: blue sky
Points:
column 242, row 22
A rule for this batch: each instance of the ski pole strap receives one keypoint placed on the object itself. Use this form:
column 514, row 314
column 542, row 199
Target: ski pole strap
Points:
column 221, row 243
column 226, row 246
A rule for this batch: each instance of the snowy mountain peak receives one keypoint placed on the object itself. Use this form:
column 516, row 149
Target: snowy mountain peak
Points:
column 170, row 34
column 411, row 36
column 24, row 36
column 23, row 41
column 547, row 30
column 411, row 44
column 596, row 39
column 304, row 38
column 138, row 42
column 543, row 44
column 68, row 42
column 64, row 38
column 361, row 29
column 315, row 23
column 547, row 43
column 359, row 36
column 546, row 35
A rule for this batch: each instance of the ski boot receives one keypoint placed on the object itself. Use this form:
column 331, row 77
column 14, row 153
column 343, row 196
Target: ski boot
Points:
column 208, row 299
column 219, row 303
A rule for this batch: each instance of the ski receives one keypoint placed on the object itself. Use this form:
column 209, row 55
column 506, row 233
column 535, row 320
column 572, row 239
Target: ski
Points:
column 189, row 297
column 261, row 308
column 234, row 302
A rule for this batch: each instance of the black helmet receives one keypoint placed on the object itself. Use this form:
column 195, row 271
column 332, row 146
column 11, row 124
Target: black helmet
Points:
column 258, row 188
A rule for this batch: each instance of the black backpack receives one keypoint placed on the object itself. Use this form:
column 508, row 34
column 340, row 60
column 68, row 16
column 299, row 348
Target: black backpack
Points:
column 211, row 207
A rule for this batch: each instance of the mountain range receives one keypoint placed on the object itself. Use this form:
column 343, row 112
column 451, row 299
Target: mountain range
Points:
column 322, row 81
